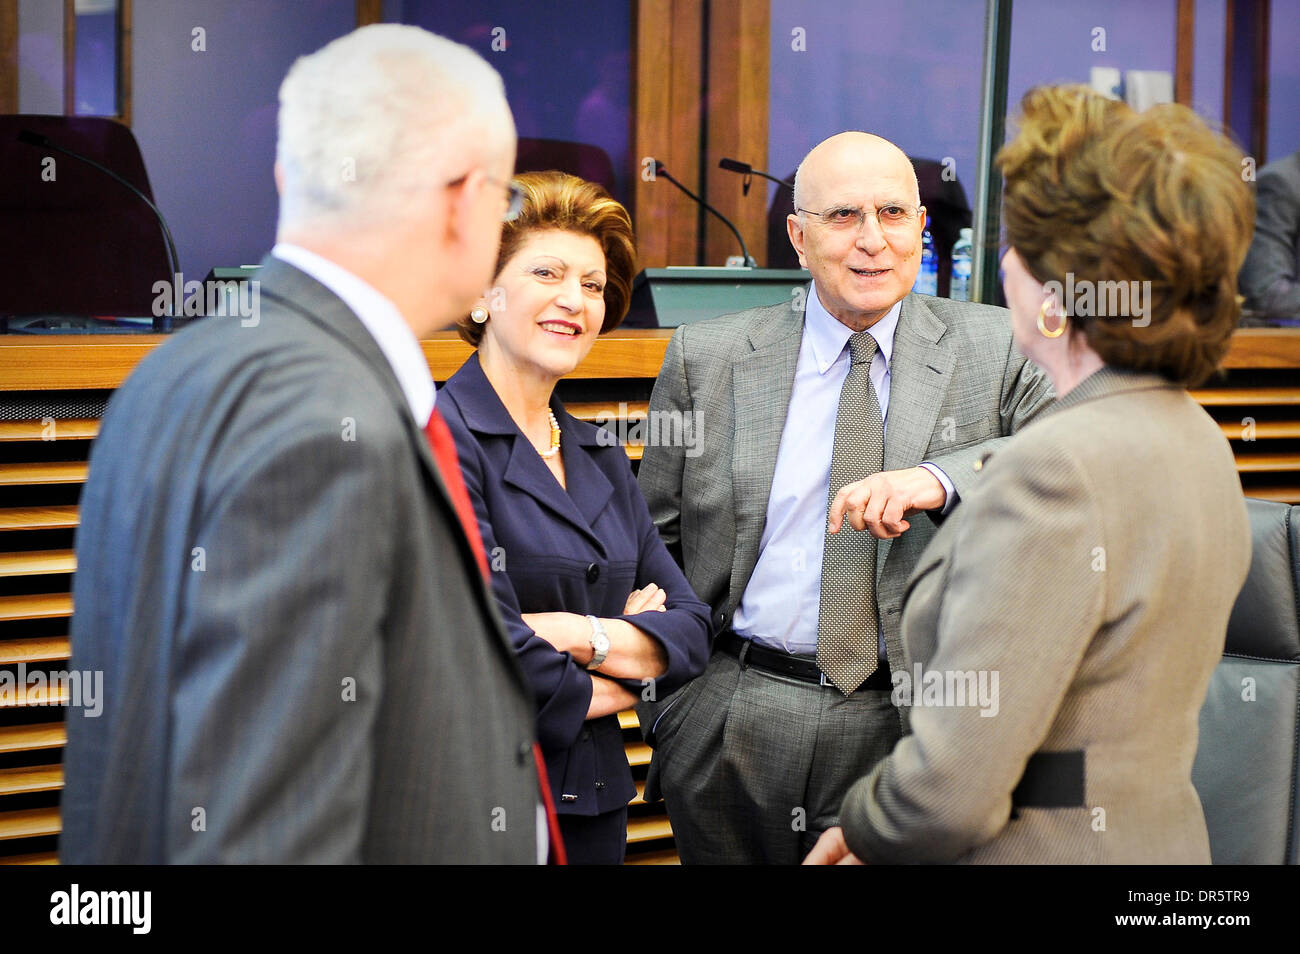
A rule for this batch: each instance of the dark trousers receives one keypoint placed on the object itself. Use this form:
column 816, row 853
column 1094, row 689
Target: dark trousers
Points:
column 595, row 839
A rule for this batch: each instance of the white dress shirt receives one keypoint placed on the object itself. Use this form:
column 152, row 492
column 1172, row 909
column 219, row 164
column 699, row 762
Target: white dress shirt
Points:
column 381, row 318
column 782, row 602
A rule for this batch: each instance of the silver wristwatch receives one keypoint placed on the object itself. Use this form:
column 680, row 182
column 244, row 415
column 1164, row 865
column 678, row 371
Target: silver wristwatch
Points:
column 599, row 642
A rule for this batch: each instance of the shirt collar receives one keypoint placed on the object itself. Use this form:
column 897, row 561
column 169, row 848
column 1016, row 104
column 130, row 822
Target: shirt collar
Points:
column 829, row 335
column 380, row 317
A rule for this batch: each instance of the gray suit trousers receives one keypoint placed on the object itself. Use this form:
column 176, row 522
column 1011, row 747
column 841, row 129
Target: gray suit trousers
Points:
column 742, row 787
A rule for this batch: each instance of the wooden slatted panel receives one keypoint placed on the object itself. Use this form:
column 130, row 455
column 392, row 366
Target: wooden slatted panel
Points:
column 52, row 858
column 1239, row 397
column 666, row 856
column 638, row 753
column 37, row 562
column 31, row 738
column 72, row 429
column 35, row 606
column 1260, row 430
column 37, row 696
column 1290, row 494
column 591, row 410
column 35, row 778
column 35, row 474
column 38, row 518
column 36, row 649
column 1252, row 463
column 649, row 828
column 29, row 823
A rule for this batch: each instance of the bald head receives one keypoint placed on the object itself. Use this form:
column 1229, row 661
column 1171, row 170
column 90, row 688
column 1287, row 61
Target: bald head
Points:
column 848, row 159
column 862, row 240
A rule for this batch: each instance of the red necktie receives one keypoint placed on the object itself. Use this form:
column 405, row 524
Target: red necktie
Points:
column 444, row 452
column 443, row 447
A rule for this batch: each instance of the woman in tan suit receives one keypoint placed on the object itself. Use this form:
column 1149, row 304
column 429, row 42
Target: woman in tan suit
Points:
column 1062, row 626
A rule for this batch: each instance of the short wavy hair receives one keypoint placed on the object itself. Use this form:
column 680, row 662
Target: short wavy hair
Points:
column 1098, row 190
column 557, row 201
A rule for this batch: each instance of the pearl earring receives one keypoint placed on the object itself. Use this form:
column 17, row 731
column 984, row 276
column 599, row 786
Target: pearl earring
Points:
column 478, row 316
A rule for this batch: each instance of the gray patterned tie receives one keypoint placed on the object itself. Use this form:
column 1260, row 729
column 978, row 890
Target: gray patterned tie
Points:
column 846, row 628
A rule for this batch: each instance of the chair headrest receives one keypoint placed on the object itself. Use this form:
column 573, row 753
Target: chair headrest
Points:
column 1265, row 620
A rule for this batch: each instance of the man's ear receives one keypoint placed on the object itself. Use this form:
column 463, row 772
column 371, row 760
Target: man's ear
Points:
column 794, row 229
column 460, row 197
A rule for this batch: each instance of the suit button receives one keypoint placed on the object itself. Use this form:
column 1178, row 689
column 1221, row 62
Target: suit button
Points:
column 722, row 618
column 586, row 735
column 593, row 573
column 525, row 751
column 599, row 786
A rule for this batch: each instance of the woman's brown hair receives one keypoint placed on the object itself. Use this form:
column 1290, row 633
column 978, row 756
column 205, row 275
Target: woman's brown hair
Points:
column 559, row 201
column 1099, row 192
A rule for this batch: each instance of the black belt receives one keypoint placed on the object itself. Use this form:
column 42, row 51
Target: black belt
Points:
column 802, row 668
column 1051, row 780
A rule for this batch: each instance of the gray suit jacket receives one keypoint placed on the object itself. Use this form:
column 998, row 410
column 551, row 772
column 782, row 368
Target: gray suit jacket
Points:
column 1270, row 276
column 301, row 660
column 957, row 387
column 1094, row 570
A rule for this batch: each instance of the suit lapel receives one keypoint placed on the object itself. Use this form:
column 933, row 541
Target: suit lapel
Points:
column 920, row 370
column 525, row 470
column 291, row 287
column 762, row 381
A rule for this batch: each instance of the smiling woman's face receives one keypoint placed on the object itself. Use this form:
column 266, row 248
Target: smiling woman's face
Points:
column 548, row 303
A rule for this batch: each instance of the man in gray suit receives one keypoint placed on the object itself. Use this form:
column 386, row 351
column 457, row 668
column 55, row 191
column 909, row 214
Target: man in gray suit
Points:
column 858, row 400
column 302, row 662
column 1270, row 276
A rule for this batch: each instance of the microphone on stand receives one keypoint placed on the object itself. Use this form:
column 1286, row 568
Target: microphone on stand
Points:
column 748, row 171
column 27, row 137
column 749, row 259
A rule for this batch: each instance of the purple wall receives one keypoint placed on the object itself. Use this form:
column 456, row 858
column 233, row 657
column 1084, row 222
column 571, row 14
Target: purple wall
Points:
column 1051, row 42
column 96, row 64
column 908, row 73
column 1207, row 61
column 1284, row 79
column 206, row 121
column 567, row 71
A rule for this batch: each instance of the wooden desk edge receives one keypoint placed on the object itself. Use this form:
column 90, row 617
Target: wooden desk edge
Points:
column 93, row 362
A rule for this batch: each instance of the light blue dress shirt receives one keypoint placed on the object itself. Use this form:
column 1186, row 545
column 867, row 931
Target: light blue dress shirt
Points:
column 780, row 606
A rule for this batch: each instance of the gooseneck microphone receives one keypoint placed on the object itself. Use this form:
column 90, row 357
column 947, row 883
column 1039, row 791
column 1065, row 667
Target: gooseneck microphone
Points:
column 749, row 259
column 30, row 138
column 748, row 171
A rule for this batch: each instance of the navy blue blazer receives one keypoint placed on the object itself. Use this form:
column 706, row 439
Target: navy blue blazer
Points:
column 580, row 551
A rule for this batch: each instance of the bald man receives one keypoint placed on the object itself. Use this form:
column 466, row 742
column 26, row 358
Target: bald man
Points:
column 837, row 429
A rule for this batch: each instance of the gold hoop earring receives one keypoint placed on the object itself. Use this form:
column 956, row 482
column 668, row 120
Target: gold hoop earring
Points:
column 478, row 316
column 1042, row 322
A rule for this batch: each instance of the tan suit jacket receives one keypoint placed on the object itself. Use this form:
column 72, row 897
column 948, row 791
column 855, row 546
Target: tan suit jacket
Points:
column 1093, row 569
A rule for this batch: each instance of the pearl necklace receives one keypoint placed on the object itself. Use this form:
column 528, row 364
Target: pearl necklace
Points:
column 555, row 437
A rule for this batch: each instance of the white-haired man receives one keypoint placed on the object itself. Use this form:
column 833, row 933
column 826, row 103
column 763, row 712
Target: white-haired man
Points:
column 301, row 660
column 830, row 425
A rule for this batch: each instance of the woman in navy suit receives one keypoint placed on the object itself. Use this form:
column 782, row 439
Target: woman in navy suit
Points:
column 598, row 611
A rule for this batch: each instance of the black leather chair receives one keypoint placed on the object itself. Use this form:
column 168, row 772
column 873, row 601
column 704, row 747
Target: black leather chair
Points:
column 1247, row 768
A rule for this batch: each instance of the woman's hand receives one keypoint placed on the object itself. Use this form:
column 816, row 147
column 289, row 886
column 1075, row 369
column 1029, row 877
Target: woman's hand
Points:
column 608, row 697
column 646, row 600
column 831, row 849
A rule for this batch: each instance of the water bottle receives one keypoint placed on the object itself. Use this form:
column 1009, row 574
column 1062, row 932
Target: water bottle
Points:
column 927, row 279
column 959, row 289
